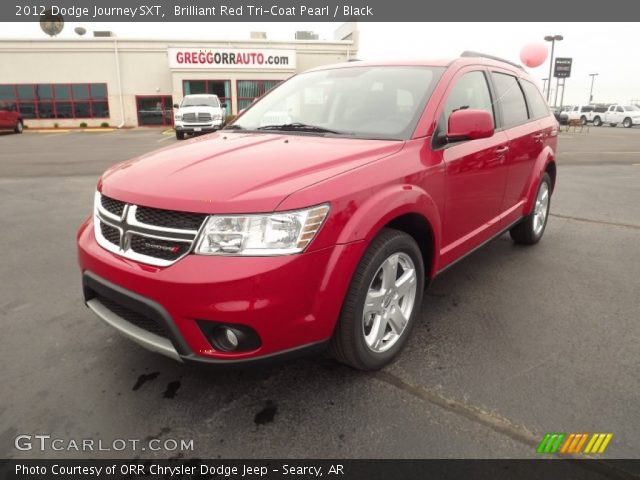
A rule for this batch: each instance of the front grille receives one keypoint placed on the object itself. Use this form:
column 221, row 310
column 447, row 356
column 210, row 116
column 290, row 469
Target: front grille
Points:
column 145, row 234
column 142, row 321
column 154, row 247
column 200, row 117
column 169, row 218
column 115, row 207
column 110, row 233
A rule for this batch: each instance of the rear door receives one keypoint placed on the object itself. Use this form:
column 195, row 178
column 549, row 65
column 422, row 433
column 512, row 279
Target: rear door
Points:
column 475, row 170
column 526, row 136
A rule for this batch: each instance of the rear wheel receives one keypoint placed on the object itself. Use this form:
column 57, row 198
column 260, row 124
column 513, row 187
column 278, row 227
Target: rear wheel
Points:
column 627, row 123
column 382, row 303
column 530, row 230
column 597, row 121
column 19, row 127
column 179, row 135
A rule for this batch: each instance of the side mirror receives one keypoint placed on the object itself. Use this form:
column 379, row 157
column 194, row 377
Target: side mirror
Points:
column 175, row 105
column 469, row 125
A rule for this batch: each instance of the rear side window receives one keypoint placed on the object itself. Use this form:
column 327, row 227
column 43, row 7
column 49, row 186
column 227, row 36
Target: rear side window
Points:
column 537, row 106
column 470, row 91
column 510, row 96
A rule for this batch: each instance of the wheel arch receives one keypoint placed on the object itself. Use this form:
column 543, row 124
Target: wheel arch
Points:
column 546, row 163
column 407, row 209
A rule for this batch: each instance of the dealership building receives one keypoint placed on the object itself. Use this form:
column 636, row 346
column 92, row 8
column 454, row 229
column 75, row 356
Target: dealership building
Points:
column 129, row 83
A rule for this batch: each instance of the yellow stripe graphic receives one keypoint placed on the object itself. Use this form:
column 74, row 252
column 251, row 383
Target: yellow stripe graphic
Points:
column 590, row 444
column 599, row 439
column 606, row 441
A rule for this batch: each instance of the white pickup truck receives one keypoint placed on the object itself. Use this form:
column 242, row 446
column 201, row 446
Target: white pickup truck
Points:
column 584, row 113
column 628, row 115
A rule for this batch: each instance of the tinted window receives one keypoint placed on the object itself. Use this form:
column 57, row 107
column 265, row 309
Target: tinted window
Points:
column 470, row 91
column 537, row 106
column 514, row 108
column 619, row 109
column 587, row 109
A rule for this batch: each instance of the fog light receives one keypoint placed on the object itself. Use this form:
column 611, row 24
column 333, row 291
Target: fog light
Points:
column 227, row 339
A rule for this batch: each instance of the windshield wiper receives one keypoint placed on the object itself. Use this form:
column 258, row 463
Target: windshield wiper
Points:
column 299, row 127
column 233, row 127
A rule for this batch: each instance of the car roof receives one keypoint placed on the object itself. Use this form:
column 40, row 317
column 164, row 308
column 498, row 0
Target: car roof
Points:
column 201, row 95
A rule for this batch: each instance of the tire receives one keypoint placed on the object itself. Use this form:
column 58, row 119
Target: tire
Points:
column 19, row 128
column 613, row 124
column 179, row 135
column 529, row 231
column 354, row 341
column 627, row 123
column 583, row 120
column 597, row 121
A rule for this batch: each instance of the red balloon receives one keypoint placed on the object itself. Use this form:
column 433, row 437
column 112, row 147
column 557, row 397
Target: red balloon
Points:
column 534, row 54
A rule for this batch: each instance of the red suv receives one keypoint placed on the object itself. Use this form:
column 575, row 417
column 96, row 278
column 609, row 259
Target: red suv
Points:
column 317, row 218
column 10, row 117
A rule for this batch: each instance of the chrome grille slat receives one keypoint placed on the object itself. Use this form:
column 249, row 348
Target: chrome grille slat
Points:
column 155, row 243
column 199, row 117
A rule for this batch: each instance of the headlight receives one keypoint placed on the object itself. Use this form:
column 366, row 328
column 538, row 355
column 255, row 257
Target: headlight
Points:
column 279, row 233
column 178, row 117
column 216, row 116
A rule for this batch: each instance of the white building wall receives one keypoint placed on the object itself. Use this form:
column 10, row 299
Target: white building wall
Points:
column 144, row 68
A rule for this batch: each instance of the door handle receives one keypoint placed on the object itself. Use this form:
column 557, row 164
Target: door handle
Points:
column 538, row 137
column 502, row 150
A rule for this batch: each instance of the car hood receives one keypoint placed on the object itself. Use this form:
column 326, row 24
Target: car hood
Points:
column 229, row 172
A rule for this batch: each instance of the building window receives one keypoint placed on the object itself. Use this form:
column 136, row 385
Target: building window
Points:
column 249, row 90
column 58, row 100
column 221, row 88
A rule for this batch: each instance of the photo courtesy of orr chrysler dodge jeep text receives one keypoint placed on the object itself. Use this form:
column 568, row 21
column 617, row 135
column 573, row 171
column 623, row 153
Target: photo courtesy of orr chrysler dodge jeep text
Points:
column 317, row 218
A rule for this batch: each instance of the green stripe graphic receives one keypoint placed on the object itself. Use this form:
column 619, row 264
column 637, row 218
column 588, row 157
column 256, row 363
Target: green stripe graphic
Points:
column 551, row 442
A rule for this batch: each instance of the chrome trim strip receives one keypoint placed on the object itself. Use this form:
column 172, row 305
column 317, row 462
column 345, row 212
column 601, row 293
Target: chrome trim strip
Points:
column 148, row 340
column 105, row 212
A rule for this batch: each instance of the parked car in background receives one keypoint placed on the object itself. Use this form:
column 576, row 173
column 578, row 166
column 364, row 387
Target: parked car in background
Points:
column 10, row 118
column 584, row 113
column 627, row 115
column 562, row 114
column 317, row 217
column 198, row 113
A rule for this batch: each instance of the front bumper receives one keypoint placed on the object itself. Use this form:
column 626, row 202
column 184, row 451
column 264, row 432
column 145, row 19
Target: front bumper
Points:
column 292, row 302
column 197, row 127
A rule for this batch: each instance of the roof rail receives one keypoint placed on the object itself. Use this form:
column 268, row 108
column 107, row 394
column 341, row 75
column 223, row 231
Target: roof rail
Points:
column 470, row 53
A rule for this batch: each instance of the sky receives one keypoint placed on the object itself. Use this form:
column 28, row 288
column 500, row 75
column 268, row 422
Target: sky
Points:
column 603, row 48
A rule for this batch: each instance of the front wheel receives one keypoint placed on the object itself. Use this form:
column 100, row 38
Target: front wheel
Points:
column 530, row 230
column 382, row 303
column 19, row 127
column 597, row 122
column 583, row 120
column 627, row 123
column 179, row 135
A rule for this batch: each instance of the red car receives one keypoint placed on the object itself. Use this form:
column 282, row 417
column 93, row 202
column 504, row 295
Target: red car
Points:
column 317, row 218
column 10, row 118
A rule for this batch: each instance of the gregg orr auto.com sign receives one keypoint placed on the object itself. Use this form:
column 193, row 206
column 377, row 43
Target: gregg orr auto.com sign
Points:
column 232, row 58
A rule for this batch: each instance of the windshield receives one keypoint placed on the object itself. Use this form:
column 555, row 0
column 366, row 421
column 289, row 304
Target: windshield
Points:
column 363, row 102
column 632, row 108
column 200, row 102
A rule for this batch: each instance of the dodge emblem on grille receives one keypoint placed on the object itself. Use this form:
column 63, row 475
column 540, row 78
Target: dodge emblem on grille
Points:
column 164, row 248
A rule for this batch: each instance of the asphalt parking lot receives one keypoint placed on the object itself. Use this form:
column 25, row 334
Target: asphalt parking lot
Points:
column 512, row 342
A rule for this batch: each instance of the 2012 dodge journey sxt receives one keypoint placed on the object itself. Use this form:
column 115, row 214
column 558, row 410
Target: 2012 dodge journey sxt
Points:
column 317, row 218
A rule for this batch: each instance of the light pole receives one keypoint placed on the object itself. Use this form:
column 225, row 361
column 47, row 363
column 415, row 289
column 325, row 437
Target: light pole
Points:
column 553, row 39
column 593, row 77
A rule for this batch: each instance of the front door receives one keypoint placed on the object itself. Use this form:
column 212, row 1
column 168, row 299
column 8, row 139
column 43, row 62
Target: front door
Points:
column 475, row 172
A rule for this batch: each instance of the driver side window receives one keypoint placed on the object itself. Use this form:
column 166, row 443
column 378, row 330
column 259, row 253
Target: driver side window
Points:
column 471, row 91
